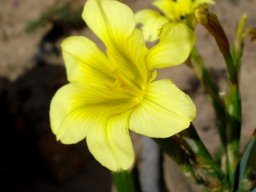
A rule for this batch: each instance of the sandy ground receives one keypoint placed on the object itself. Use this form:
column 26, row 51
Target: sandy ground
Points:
column 27, row 86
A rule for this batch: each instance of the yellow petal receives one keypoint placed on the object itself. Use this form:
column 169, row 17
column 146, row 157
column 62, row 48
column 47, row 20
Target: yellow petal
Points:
column 129, row 55
column 165, row 110
column 176, row 42
column 114, row 23
column 110, row 20
column 84, row 61
column 67, row 115
column 110, row 143
column 77, row 107
column 169, row 8
column 185, row 7
column 152, row 22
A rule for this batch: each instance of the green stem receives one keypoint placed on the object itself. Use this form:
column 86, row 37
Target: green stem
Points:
column 172, row 147
column 211, row 89
column 215, row 176
column 202, row 154
column 233, row 115
column 126, row 181
column 190, row 153
column 232, row 70
column 233, row 104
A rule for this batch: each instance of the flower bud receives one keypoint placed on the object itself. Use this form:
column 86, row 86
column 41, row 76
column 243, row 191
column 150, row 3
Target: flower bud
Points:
column 210, row 21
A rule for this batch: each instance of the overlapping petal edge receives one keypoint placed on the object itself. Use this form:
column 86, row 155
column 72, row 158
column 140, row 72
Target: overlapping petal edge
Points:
column 151, row 21
column 110, row 93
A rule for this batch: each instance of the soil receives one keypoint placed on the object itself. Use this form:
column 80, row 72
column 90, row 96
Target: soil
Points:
column 31, row 70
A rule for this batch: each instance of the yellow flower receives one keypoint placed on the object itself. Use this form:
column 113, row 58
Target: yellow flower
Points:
column 171, row 11
column 111, row 93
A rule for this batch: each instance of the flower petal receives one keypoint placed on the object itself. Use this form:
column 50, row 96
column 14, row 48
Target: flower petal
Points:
column 176, row 42
column 152, row 22
column 76, row 107
column 67, row 116
column 129, row 56
column 165, row 110
column 109, row 20
column 110, row 143
column 185, row 7
column 124, row 44
column 169, row 8
column 85, row 62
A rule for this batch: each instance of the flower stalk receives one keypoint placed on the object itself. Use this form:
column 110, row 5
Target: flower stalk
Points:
column 126, row 181
column 197, row 64
column 233, row 101
column 194, row 159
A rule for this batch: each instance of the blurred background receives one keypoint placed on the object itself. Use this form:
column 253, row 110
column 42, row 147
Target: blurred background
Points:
column 31, row 70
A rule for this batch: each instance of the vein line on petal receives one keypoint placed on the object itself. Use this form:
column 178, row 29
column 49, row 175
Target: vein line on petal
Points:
column 178, row 116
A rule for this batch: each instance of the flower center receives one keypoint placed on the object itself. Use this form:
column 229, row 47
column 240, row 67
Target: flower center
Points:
column 132, row 87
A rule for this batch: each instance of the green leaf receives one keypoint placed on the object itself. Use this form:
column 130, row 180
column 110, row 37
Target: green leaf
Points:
column 247, row 163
